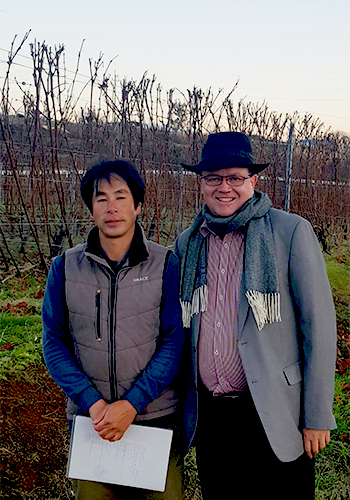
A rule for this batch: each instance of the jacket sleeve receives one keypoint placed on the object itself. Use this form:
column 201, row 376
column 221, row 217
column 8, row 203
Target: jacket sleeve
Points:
column 317, row 322
column 181, row 243
column 165, row 363
column 57, row 344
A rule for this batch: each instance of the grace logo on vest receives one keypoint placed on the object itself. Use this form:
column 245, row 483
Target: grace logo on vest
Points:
column 144, row 278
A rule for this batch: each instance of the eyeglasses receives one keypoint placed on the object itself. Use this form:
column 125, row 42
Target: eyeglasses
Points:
column 232, row 180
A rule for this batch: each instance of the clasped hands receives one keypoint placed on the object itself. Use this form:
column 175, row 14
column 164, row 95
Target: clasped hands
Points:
column 112, row 420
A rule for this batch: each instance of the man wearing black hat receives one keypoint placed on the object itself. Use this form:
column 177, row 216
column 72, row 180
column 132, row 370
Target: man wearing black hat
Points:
column 258, row 305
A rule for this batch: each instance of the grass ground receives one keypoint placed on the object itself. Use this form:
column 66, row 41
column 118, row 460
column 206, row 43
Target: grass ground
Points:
column 35, row 439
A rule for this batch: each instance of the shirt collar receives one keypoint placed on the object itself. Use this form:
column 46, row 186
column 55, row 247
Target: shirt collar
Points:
column 137, row 253
column 206, row 231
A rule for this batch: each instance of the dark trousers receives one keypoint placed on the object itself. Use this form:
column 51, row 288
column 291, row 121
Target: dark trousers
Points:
column 235, row 459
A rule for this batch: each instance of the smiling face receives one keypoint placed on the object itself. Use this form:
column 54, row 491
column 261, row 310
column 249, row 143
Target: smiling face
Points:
column 113, row 211
column 225, row 200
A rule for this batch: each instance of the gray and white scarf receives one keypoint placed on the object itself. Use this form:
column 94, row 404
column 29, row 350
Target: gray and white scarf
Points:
column 260, row 273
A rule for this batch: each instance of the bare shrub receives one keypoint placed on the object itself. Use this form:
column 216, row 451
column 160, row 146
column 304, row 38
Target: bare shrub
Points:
column 45, row 150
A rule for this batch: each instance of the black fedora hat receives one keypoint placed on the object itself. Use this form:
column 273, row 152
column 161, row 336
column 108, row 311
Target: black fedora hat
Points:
column 224, row 150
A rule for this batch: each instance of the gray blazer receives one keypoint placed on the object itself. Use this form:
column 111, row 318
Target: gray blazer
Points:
column 289, row 365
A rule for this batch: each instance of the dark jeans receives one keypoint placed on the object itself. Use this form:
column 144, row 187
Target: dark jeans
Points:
column 235, row 459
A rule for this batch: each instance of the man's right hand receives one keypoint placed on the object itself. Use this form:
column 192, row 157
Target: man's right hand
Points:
column 97, row 411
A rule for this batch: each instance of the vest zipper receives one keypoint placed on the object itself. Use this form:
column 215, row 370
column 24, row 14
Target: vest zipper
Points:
column 112, row 343
column 98, row 315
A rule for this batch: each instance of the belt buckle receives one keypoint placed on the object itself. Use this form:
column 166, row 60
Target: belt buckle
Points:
column 231, row 396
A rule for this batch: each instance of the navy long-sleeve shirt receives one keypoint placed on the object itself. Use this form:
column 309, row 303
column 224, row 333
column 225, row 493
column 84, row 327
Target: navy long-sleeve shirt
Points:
column 59, row 351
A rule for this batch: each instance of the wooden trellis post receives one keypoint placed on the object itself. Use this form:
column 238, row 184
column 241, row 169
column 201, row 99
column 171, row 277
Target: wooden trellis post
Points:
column 289, row 167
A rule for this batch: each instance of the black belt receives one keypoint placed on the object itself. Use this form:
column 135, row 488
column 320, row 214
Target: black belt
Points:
column 233, row 394
column 204, row 391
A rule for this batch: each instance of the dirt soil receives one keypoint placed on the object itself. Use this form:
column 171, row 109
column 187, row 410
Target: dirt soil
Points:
column 34, row 438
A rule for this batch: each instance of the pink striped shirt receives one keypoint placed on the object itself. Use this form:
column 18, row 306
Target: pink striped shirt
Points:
column 220, row 364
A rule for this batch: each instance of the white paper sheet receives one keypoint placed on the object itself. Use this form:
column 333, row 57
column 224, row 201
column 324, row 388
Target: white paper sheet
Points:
column 140, row 459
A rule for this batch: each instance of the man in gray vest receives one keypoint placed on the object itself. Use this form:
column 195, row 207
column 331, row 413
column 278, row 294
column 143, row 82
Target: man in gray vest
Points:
column 112, row 332
column 258, row 305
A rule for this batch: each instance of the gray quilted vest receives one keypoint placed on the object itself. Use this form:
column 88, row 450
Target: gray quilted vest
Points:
column 114, row 322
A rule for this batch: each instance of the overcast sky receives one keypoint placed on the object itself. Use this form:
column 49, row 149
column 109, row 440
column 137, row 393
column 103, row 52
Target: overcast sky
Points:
column 294, row 55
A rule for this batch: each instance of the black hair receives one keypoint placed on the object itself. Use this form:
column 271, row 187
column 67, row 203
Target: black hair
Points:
column 104, row 170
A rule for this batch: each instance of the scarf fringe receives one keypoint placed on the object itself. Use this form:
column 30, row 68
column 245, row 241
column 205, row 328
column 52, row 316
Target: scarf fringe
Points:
column 266, row 307
column 199, row 304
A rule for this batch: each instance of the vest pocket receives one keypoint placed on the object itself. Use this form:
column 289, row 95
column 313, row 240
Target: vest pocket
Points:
column 98, row 315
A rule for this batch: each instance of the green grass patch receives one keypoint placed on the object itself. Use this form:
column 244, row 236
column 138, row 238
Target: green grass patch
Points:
column 333, row 463
column 20, row 342
column 339, row 278
column 338, row 270
column 20, row 323
column 30, row 287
